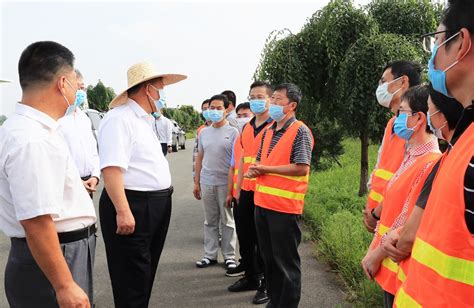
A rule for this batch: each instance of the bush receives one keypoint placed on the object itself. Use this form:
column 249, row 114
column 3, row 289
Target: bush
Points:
column 333, row 213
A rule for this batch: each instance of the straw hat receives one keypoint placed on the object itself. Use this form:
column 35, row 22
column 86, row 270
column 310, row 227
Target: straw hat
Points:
column 142, row 72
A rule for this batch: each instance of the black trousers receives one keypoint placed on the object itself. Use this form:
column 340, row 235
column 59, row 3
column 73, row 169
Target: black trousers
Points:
column 133, row 259
column 279, row 236
column 247, row 234
column 388, row 299
column 164, row 148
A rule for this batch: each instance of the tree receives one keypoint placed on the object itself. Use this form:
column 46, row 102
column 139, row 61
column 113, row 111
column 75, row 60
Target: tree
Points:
column 99, row 96
column 356, row 85
column 186, row 116
column 311, row 59
column 3, row 118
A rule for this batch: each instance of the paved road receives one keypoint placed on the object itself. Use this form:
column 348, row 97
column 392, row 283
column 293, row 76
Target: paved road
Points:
column 179, row 283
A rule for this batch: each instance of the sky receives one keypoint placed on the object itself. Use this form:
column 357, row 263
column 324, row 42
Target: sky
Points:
column 217, row 44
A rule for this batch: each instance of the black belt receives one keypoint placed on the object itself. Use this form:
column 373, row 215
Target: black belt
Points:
column 72, row 236
column 153, row 193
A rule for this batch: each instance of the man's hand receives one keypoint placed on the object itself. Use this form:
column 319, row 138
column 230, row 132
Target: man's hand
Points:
column 371, row 264
column 91, row 184
column 72, row 296
column 125, row 222
column 170, row 149
column 229, row 200
column 197, row 191
column 390, row 247
column 255, row 171
column 369, row 221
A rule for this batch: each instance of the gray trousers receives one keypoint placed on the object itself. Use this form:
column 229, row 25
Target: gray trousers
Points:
column 216, row 213
column 25, row 284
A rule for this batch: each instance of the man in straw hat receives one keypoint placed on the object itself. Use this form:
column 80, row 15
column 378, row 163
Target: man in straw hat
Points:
column 135, row 207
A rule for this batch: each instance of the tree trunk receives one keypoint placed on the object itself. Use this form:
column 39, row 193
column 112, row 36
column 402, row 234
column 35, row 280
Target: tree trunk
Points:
column 364, row 162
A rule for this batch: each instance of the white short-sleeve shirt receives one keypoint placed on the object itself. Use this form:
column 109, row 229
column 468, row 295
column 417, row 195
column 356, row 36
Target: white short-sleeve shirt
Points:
column 127, row 140
column 77, row 131
column 38, row 175
column 164, row 130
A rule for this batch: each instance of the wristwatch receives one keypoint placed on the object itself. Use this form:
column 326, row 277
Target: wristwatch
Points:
column 374, row 215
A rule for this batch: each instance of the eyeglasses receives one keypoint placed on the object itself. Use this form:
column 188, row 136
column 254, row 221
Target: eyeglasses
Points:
column 429, row 40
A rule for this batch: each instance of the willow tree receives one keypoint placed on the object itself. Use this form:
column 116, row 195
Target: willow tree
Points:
column 356, row 84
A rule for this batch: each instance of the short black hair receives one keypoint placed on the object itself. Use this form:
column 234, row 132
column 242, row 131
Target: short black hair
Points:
column 220, row 97
column 206, row 101
column 457, row 15
column 230, row 97
column 245, row 105
column 449, row 107
column 268, row 87
column 78, row 74
column 41, row 61
column 417, row 98
column 293, row 92
column 406, row 68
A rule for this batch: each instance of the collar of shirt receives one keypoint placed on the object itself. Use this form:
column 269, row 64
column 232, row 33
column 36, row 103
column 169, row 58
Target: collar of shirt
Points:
column 285, row 126
column 139, row 111
column 36, row 115
column 466, row 119
column 254, row 120
column 428, row 147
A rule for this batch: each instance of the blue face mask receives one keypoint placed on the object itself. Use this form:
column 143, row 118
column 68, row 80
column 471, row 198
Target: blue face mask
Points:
column 276, row 112
column 205, row 115
column 216, row 115
column 81, row 97
column 436, row 131
column 71, row 107
column 161, row 102
column 400, row 127
column 257, row 106
column 438, row 77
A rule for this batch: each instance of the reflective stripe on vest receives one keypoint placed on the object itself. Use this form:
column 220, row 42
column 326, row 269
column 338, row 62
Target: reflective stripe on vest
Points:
column 449, row 267
column 391, row 157
column 405, row 300
column 277, row 192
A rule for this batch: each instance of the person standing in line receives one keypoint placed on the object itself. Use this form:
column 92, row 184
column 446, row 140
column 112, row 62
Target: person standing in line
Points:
column 207, row 122
column 135, row 206
column 282, row 173
column 397, row 77
column 251, row 137
column 231, row 115
column 210, row 184
column 77, row 131
column 44, row 208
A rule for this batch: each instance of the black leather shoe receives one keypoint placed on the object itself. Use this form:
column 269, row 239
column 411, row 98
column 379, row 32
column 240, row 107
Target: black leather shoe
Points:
column 243, row 284
column 261, row 297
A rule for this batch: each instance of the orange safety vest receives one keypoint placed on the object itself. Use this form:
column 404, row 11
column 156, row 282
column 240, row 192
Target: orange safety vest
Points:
column 441, row 271
column 200, row 128
column 395, row 197
column 237, row 156
column 391, row 157
column 277, row 192
column 250, row 145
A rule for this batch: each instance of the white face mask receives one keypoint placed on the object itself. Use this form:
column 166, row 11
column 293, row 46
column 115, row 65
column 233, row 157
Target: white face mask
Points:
column 383, row 96
column 242, row 121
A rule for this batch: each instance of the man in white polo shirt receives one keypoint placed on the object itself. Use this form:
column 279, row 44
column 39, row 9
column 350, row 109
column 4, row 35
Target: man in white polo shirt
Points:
column 135, row 207
column 164, row 131
column 44, row 207
column 77, row 131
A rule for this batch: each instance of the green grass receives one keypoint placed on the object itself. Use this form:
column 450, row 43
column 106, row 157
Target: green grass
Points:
column 333, row 213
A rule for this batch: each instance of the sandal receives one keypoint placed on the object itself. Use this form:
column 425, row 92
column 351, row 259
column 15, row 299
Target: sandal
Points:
column 230, row 264
column 205, row 262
